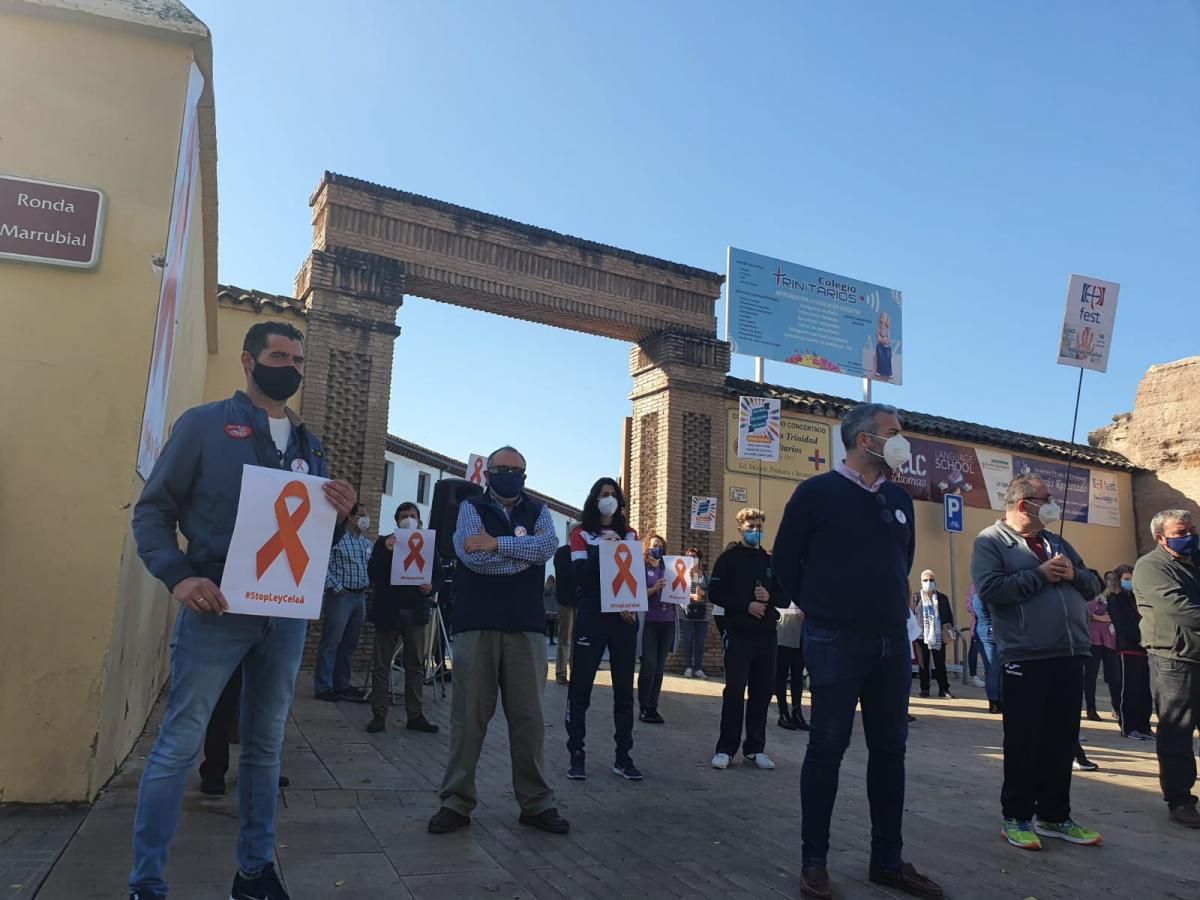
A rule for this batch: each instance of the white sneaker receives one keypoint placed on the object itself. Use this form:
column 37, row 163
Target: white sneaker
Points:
column 687, row 673
column 978, row 682
column 721, row 761
column 761, row 760
column 700, row 674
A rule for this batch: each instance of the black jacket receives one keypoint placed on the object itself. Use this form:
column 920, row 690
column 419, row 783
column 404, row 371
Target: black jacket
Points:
column 1126, row 622
column 396, row 605
column 564, row 576
column 735, row 575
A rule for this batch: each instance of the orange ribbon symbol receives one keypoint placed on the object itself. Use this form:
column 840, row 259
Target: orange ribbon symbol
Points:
column 680, row 582
column 477, row 471
column 287, row 539
column 623, row 557
column 416, row 542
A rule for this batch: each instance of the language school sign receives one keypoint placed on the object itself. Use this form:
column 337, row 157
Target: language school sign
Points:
column 46, row 222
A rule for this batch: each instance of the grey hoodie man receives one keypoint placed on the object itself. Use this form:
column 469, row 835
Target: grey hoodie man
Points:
column 1032, row 617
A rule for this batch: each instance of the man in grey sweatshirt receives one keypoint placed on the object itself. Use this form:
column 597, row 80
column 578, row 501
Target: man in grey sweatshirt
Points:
column 1036, row 587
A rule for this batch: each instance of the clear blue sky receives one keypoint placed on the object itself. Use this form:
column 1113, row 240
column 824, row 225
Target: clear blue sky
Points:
column 971, row 155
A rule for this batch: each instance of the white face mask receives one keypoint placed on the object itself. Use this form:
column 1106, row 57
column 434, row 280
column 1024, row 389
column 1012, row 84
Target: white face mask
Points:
column 407, row 523
column 364, row 523
column 896, row 450
column 930, row 586
column 1049, row 513
column 607, row 506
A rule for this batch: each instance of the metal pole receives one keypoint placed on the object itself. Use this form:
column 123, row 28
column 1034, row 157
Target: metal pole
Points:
column 1062, row 522
column 866, row 389
column 958, row 651
column 760, row 366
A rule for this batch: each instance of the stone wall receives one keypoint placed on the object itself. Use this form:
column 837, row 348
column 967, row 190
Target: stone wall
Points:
column 1160, row 436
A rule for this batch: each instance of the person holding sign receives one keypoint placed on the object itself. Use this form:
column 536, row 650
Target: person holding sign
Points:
column 695, row 617
column 194, row 489
column 743, row 582
column 595, row 631
column 400, row 614
column 658, row 632
column 503, row 540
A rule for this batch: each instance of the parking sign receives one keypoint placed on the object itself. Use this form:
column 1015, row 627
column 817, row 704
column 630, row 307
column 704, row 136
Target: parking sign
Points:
column 954, row 513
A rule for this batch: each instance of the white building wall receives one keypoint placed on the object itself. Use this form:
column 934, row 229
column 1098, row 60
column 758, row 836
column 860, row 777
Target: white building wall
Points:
column 403, row 476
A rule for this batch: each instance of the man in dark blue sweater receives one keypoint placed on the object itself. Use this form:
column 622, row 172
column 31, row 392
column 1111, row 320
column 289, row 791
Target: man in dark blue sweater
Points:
column 844, row 552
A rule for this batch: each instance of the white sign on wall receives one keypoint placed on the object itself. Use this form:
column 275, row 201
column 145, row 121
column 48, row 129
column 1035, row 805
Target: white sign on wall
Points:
column 281, row 544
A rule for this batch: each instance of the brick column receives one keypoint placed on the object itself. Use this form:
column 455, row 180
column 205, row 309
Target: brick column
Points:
column 677, row 442
column 352, row 299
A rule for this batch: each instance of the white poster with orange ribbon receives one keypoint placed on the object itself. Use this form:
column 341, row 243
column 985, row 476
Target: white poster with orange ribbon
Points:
column 281, row 543
column 477, row 470
column 622, row 576
column 678, row 580
column 412, row 557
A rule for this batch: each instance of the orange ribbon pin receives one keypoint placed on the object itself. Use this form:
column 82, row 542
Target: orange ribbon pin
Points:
column 416, row 543
column 680, row 582
column 287, row 539
column 623, row 557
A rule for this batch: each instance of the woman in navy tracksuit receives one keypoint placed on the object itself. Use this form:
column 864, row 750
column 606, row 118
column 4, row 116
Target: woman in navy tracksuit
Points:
column 603, row 520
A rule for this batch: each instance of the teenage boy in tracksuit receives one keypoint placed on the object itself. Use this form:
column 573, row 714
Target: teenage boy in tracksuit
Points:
column 744, row 583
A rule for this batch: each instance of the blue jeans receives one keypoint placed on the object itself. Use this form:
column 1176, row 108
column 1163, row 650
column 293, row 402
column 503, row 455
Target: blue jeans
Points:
column 993, row 672
column 344, row 615
column 205, row 650
column 695, row 632
column 846, row 669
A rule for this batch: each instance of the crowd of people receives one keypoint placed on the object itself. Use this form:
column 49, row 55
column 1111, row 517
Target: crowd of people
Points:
column 830, row 602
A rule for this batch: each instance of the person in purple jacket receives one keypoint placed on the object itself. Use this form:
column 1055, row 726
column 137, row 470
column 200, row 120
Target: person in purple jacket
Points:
column 658, row 633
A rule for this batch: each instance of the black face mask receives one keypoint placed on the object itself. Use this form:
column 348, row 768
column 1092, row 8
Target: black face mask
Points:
column 277, row 382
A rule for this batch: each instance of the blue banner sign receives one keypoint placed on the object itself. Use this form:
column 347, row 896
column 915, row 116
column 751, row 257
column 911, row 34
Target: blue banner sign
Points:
column 793, row 314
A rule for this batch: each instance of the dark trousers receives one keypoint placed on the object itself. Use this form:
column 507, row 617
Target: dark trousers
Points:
column 1106, row 658
column 1041, row 736
column 657, row 638
column 222, row 725
column 974, row 653
column 695, row 632
column 789, row 664
column 1177, row 700
column 593, row 633
column 936, row 656
column 413, row 657
column 1134, row 701
column 846, row 669
column 749, row 663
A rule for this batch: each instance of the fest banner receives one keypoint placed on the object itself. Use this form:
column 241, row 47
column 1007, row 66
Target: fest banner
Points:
column 1074, row 499
column 759, row 428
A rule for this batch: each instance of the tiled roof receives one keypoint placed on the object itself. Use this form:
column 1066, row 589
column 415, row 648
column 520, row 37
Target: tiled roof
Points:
column 533, row 231
column 458, row 468
column 935, row 426
column 262, row 301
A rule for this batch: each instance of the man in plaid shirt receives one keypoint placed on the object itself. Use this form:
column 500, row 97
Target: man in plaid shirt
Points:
column 345, row 609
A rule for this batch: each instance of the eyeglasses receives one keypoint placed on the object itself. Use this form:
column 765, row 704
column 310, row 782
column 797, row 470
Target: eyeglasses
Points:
column 506, row 470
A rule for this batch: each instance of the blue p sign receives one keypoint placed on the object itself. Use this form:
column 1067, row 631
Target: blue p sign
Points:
column 954, row 513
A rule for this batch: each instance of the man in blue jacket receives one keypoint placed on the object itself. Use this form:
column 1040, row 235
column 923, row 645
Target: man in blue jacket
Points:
column 194, row 488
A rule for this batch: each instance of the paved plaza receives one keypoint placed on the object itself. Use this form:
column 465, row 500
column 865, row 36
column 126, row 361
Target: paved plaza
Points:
column 352, row 824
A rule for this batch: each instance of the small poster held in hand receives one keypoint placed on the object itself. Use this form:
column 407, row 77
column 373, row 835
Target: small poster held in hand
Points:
column 622, row 576
column 677, row 580
column 412, row 557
